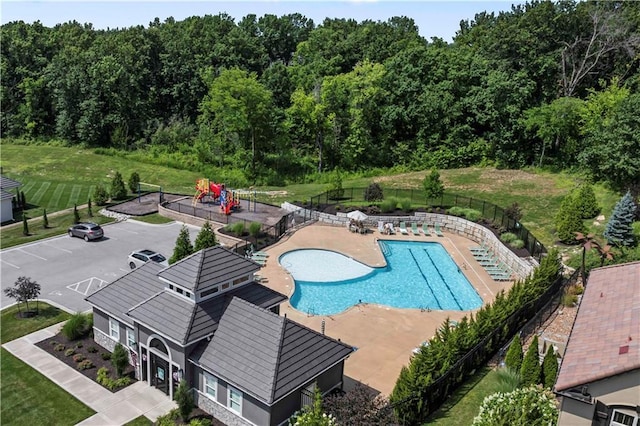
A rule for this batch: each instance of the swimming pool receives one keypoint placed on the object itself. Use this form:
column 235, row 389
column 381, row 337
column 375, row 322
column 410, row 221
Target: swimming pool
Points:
column 419, row 275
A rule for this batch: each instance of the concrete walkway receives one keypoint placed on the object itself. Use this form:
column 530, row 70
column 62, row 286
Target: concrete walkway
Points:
column 111, row 408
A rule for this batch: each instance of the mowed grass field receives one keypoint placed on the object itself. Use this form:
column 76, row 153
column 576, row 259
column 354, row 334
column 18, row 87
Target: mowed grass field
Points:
column 56, row 178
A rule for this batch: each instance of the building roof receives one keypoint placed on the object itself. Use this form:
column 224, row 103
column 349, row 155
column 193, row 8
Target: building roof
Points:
column 6, row 183
column 208, row 267
column 265, row 354
column 4, row 195
column 605, row 339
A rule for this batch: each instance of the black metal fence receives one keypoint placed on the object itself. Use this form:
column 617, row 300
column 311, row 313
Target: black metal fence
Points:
column 489, row 211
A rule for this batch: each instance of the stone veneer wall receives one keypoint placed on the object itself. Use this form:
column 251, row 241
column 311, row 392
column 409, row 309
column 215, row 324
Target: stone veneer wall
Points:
column 218, row 411
column 102, row 339
column 471, row 230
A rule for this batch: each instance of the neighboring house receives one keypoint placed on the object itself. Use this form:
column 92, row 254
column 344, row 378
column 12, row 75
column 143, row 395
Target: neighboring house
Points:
column 6, row 198
column 206, row 320
column 599, row 379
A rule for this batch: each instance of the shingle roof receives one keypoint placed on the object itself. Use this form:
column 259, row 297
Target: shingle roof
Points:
column 6, row 183
column 211, row 266
column 4, row 195
column 605, row 339
column 265, row 354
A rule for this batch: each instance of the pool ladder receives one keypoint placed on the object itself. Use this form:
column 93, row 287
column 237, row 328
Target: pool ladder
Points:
column 384, row 248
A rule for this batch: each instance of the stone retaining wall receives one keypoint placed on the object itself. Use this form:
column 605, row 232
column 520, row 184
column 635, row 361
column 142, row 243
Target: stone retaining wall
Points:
column 218, row 411
column 520, row 266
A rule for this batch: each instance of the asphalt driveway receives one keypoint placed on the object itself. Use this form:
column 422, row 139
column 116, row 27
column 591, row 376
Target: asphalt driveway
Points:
column 69, row 269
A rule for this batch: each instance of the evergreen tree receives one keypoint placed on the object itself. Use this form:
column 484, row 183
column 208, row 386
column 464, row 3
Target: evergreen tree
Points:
column 587, row 203
column 118, row 191
column 76, row 215
column 100, row 195
column 619, row 229
column 514, row 356
column 134, row 181
column 433, row 186
column 119, row 359
column 89, row 211
column 184, row 399
column 45, row 221
column 549, row 368
column 183, row 246
column 206, row 238
column 568, row 220
column 25, row 225
column 531, row 371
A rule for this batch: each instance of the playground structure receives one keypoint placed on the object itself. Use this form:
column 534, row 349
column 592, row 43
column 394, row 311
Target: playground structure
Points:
column 229, row 201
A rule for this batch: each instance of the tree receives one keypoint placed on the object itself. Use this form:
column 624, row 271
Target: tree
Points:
column 119, row 359
column 89, row 211
column 336, row 191
column 513, row 359
column 45, row 221
column 23, row 201
column 514, row 211
column 531, row 405
column 25, row 225
column 100, row 195
column 312, row 415
column 360, row 406
column 568, row 220
column 183, row 246
column 134, row 181
column 184, row 399
column 206, row 238
column 373, row 192
column 23, row 290
column 587, row 203
column 432, row 185
column 531, row 371
column 118, row 191
column 549, row 368
column 619, row 229
column 76, row 214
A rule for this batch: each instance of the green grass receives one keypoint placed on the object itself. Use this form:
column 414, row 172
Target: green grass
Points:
column 28, row 397
column 464, row 404
column 13, row 328
column 154, row 218
column 58, row 225
column 140, row 421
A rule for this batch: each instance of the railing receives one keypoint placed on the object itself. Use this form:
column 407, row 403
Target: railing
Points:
column 489, row 211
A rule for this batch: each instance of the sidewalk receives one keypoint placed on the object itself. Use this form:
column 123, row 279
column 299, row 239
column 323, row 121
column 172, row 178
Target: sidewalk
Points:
column 111, row 408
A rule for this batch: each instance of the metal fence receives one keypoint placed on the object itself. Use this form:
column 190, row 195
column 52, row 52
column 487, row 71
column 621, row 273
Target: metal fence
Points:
column 489, row 211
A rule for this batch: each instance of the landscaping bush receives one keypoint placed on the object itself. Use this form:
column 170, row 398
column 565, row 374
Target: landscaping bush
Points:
column 168, row 419
column 531, row 371
column 388, row 205
column 517, row 244
column 106, row 356
column 513, row 359
column 373, row 193
column 472, row 215
column 118, row 190
column 508, row 380
column 59, row 347
column 237, row 228
column 77, row 326
column 549, row 368
column 85, row 365
column 79, row 357
column 79, row 345
column 525, row 406
column 508, row 237
column 103, row 378
column 184, row 399
column 569, row 300
column 100, row 195
column 119, row 359
column 405, row 204
column 456, row 211
column 254, row 229
column 587, row 203
column 69, row 352
column 514, row 212
column 133, row 182
column 92, row 349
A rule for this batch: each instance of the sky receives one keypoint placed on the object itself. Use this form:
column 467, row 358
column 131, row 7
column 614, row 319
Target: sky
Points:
column 433, row 18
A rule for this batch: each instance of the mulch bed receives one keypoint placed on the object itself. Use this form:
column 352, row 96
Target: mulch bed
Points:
column 81, row 346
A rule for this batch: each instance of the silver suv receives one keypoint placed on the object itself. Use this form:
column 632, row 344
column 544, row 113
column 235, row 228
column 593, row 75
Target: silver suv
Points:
column 87, row 230
column 140, row 257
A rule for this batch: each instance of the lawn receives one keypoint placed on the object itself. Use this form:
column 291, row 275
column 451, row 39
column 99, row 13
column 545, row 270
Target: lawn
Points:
column 140, row 421
column 27, row 396
column 464, row 404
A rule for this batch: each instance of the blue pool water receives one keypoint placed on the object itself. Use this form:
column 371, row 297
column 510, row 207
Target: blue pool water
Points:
column 418, row 275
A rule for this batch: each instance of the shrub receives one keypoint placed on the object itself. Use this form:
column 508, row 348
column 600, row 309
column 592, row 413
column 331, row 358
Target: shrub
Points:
column 119, row 359
column 472, row 215
column 508, row 237
column 456, row 211
column 79, row 357
column 517, row 244
column 569, row 300
column 102, row 377
column 531, row 371
column 254, row 229
column 69, row 352
column 508, row 380
column 184, row 399
column 168, row 419
column 199, row 422
column 549, row 368
column 513, row 359
column 105, row 356
column 79, row 345
column 237, row 228
column 405, row 204
column 77, row 326
column 100, row 195
column 388, row 205
column 118, row 190
column 575, row 289
column 134, row 180
column 514, row 212
column 53, row 343
column 524, row 406
column 59, row 347
column 587, row 203
column 85, row 365
column 568, row 220
column 92, row 349
column 433, row 187
column 373, row 192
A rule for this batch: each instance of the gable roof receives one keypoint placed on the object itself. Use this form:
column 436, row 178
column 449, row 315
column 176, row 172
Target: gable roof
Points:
column 208, row 267
column 6, row 183
column 605, row 339
column 4, row 195
column 265, row 354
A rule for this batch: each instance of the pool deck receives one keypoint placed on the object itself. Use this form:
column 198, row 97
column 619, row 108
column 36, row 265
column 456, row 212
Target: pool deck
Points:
column 385, row 337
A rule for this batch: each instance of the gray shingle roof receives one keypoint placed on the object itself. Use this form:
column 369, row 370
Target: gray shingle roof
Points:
column 137, row 286
column 6, row 183
column 166, row 312
column 211, row 266
column 265, row 354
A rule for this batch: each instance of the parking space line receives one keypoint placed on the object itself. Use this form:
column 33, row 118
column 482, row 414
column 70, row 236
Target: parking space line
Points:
column 58, row 248
column 10, row 264
column 131, row 232
column 31, row 254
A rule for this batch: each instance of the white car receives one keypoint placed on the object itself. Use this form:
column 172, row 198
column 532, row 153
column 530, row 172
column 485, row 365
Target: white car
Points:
column 140, row 257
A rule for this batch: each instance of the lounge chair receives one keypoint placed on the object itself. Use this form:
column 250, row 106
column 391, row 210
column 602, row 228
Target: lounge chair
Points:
column 403, row 228
column 436, row 228
column 390, row 228
column 381, row 227
column 482, row 248
column 425, row 230
column 414, row 228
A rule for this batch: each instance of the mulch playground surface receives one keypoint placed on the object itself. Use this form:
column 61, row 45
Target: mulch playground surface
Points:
column 143, row 205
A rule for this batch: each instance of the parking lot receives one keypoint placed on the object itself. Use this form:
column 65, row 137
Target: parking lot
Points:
column 69, row 269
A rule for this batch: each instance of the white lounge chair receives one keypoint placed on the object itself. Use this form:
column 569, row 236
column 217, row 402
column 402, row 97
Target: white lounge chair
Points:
column 403, row 228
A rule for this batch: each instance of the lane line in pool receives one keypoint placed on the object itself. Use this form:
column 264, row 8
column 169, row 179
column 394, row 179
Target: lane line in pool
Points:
column 425, row 279
column 443, row 280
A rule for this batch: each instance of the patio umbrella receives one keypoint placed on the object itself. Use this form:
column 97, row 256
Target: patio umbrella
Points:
column 356, row 215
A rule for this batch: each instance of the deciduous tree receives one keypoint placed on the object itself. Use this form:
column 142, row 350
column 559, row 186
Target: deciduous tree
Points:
column 23, row 290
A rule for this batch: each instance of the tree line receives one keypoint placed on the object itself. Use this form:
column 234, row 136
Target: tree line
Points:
column 276, row 99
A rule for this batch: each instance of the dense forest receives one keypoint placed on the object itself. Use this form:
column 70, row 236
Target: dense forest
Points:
column 270, row 100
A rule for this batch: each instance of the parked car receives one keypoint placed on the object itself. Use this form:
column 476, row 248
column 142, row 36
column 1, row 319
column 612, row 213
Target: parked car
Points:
column 87, row 230
column 140, row 257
